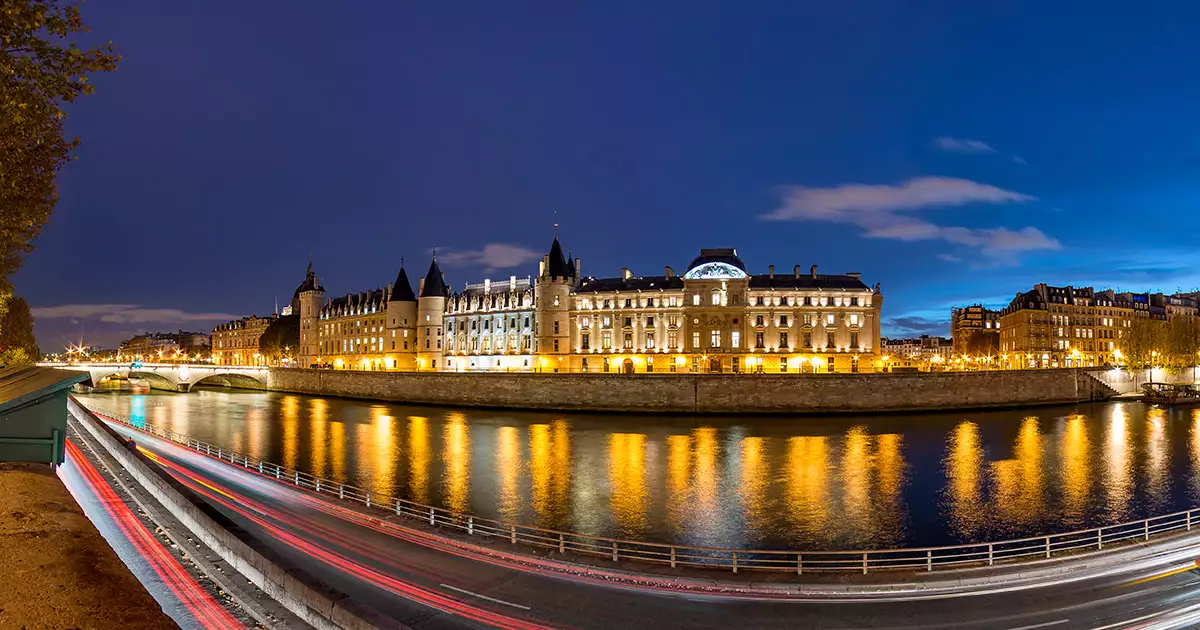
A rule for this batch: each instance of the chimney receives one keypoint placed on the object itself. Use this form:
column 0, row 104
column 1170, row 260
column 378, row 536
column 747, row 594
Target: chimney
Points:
column 626, row 273
column 542, row 268
column 421, row 287
column 796, row 271
column 813, row 272
column 771, row 271
column 669, row 272
column 578, row 268
column 855, row 274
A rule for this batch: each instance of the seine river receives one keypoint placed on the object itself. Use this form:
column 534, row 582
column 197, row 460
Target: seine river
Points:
column 832, row 482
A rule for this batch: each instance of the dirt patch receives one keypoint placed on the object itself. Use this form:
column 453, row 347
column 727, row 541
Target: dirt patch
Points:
column 57, row 571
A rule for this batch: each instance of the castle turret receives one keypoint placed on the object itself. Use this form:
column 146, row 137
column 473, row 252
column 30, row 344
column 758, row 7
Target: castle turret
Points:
column 555, row 281
column 310, row 297
column 400, row 351
column 431, row 309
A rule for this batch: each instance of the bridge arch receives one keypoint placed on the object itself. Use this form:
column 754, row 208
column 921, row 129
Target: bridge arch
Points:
column 229, row 379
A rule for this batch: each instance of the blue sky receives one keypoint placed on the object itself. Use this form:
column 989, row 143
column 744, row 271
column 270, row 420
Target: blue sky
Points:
column 953, row 152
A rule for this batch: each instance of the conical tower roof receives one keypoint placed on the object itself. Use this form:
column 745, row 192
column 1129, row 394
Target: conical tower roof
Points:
column 402, row 288
column 435, row 286
column 558, row 262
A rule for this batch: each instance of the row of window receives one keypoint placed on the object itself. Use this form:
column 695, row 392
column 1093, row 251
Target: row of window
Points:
column 719, row 298
column 715, row 340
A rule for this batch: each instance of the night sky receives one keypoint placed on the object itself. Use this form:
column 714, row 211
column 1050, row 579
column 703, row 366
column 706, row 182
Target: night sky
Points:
column 954, row 152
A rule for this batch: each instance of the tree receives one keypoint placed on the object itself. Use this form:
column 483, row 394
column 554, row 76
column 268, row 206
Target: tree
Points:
column 280, row 340
column 40, row 71
column 17, row 344
column 1146, row 342
column 982, row 343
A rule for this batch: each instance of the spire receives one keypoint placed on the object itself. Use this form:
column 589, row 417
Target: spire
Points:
column 402, row 288
column 557, row 266
column 435, row 285
column 570, row 265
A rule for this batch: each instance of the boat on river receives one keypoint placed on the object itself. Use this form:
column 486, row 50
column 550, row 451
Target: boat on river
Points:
column 1171, row 394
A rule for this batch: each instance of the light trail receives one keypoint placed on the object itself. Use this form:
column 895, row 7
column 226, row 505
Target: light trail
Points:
column 194, row 597
column 263, row 515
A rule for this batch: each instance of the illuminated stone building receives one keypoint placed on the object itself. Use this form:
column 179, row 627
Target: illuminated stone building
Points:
column 236, row 342
column 1071, row 326
column 975, row 329
column 715, row 317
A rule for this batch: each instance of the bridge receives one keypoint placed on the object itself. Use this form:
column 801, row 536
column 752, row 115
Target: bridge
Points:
column 175, row 377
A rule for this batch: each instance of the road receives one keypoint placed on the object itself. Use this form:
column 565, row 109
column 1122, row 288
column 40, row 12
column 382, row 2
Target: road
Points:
column 172, row 584
column 429, row 588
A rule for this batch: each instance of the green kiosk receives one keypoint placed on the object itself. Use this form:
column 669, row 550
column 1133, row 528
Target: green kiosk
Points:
column 33, row 413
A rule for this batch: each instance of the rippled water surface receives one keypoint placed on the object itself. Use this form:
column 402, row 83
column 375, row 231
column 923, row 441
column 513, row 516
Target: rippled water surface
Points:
column 781, row 482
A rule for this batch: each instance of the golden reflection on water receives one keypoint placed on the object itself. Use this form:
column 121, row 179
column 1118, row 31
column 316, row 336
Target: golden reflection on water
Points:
column 508, row 465
column 1194, row 454
column 550, row 472
column 1075, row 472
column 290, row 422
column 1118, row 470
column 378, row 451
column 627, row 482
column 679, row 461
column 806, row 487
column 456, row 458
column 705, row 498
column 756, row 479
column 856, row 483
column 964, row 477
column 1019, row 483
column 418, row 459
column 1158, row 482
column 888, row 503
column 337, row 450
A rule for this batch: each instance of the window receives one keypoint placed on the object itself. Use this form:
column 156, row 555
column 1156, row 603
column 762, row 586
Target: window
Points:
column 627, row 304
column 584, row 364
column 426, row 343
column 673, row 321
column 605, row 364
column 829, row 320
column 628, row 341
column 715, row 339
column 758, row 301
column 650, row 321
column 555, row 301
column 716, row 298
column 829, row 342
column 628, row 322
column 606, row 340
column 782, row 364
column 829, row 365
column 758, row 340
column 556, row 327
column 854, row 364
column 783, row 320
column 671, row 301
column 696, row 300
column 735, row 339
column 607, row 303
column 854, row 341
column 649, row 364
column 487, row 324
column 556, row 345
column 807, row 319
column 585, row 321
column 586, row 343
column 672, row 340
column 607, row 322
column 649, row 341
column 854, row 319
column 807, row 340
column 808, row 300
column 695, row 340
column 783, row 340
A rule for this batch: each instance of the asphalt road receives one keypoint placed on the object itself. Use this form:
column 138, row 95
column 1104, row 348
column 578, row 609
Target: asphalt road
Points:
column 429, row 588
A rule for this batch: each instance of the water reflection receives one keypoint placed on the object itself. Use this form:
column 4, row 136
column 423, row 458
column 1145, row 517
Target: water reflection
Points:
column 870, row 481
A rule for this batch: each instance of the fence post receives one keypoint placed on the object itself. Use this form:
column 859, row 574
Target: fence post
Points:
column 208, row 449
column 431, row 518
column 799, row 563
column 277, row 471
column 297, row 481
column 341, row 491
column 220, row 454
column 929, row 560
column 246, row 462
column 1146, row 528
column 864, row 563
column 512, row 534
column 991, row 558
column 672, row 557
column 368, row 499
column 614, row 551
column 470, row 525
column 260, row 467
column 397, row 507
column 1047, row 546
column 562, row 543
column 318, row 485
column 1189, row 520
column 735, row 562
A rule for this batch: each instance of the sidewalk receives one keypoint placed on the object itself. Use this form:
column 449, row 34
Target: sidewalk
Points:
column 56, row 568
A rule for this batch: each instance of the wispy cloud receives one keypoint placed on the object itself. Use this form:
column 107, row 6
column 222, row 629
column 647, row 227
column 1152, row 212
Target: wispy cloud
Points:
column 886, row 211
column 1019, row 160
column 949, row 258
column 492, row 256
column 961, row 145
column 125, row 314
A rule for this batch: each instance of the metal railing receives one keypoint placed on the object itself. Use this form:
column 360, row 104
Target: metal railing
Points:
column 735, row 560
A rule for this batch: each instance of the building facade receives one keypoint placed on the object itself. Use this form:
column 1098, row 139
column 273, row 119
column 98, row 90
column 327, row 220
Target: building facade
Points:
column 715, row 317
column 236, row 342
column 166, row 346
column 975, row 330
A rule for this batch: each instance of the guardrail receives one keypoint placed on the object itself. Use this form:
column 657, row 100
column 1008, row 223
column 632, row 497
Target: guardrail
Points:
column 912, row 559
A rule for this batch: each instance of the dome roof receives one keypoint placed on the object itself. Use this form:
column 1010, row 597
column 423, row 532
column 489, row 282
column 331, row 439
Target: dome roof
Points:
column 716, row 263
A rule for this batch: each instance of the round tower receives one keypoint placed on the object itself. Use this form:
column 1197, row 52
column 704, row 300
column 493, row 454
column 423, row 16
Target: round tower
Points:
column 400, row 351
column 552, row 304
column 431, row 310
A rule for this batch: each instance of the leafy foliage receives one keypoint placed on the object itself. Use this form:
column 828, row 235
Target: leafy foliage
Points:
column 280, row 340
column 1173, row 344
column 40, row 71
column 17, row 345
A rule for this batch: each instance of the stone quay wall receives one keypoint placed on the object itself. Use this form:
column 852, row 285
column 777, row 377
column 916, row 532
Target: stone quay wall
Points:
column 704, row 394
